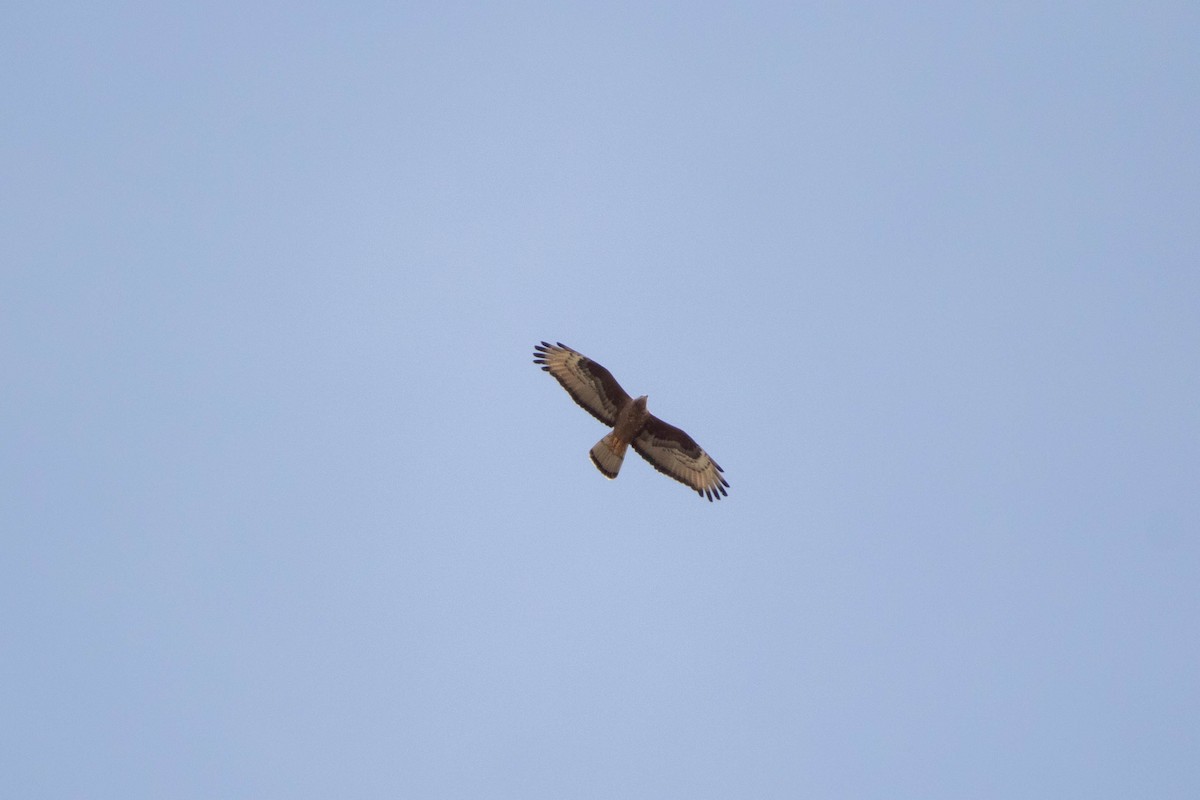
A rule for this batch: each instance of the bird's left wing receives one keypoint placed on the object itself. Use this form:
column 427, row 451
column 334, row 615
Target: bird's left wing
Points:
column 675, row 454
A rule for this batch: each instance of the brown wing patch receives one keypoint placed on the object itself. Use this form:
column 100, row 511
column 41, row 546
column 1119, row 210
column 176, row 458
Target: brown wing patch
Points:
column 589, row 384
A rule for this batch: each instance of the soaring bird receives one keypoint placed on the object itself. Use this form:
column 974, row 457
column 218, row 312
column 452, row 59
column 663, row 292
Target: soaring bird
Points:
column 668, row 449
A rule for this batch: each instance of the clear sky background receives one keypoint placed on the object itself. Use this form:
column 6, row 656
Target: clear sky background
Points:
column 289, row 513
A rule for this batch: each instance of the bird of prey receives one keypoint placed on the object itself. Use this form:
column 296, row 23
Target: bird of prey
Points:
column 668, row 449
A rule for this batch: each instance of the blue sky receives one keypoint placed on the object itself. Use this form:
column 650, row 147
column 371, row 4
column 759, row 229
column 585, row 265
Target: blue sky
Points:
column 290, row 513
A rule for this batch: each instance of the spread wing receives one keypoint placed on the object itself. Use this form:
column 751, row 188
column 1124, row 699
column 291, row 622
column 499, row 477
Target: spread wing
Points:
column 672, row 452
column 591, row 385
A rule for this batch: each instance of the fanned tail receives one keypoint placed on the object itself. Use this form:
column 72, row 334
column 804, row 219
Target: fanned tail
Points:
column 608, row 454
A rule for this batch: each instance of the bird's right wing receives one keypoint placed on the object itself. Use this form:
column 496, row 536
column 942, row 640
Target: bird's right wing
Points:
column 589, row 384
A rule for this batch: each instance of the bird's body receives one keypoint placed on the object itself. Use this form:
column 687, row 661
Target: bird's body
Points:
column 668, row 449
column 609, row 452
